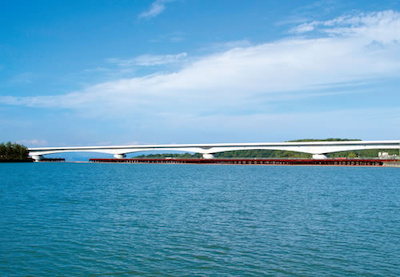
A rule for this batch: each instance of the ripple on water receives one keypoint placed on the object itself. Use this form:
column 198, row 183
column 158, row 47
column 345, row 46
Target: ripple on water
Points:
column 104, row 219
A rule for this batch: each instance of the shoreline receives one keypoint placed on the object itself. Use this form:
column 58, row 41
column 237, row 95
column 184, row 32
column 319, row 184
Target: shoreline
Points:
column 17, row 161
column 255, row 161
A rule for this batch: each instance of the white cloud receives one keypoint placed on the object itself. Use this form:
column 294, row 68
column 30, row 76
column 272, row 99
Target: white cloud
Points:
column 149, row 60
column 365, row 124
column 176, row 36
column 359, row 49
column 379, row 26
column 304, row 28
column 155, row 9
column 33, row 142
column 224, row 46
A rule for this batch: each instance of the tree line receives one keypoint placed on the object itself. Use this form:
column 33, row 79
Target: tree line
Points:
column 13, row 152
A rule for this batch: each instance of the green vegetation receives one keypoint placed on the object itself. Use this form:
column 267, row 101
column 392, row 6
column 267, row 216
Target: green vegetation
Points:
column 179, row 156
column 13, row 152
column 363, row 153
column 279, row 153
column 289, row 154
column 262, row 154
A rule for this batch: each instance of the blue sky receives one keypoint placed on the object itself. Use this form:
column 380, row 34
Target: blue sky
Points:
column 117, row 72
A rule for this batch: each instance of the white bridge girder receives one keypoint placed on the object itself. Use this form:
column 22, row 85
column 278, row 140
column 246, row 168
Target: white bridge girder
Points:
column 317, row 149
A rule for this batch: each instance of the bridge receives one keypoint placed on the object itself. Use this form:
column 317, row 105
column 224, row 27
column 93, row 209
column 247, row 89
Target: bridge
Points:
column 318, row 149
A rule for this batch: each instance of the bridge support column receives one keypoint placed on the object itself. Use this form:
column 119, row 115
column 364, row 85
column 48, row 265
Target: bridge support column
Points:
column 319, row 156
column 37, row 157
column 119, row 156
column 208, row 156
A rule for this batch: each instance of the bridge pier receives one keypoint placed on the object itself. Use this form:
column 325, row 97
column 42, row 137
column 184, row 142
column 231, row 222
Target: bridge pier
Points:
column 208, row 156
column 319, row 156
column 119, row 156
column 37, row 158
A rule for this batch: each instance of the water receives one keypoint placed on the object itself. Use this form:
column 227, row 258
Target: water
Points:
column 198, row 220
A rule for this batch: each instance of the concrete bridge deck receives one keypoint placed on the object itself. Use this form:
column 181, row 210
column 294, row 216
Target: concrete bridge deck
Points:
column 317, row 148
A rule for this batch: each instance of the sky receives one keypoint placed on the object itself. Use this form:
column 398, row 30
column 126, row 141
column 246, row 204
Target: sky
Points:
column 115, row 72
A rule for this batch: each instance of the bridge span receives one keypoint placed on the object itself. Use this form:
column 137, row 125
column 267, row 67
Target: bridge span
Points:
column 317, row 148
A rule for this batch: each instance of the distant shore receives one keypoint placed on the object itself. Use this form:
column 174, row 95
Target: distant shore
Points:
column 17, row 161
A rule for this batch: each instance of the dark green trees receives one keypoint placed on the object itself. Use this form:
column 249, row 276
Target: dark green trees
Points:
column 13, row 152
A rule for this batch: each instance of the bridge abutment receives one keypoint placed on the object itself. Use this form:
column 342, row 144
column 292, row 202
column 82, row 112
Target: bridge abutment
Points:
column 119, row 156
